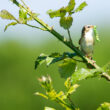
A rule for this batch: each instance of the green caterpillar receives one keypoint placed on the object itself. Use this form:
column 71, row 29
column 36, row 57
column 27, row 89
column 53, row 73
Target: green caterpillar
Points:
column 96, row 34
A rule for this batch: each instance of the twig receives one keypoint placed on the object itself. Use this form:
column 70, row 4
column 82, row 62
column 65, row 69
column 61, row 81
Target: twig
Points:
column 77, row 60
column 64, row 103
column 64, row 40
column 70, row 39
column 24, row 4
column 106, row 76
column 72, row 104
column 36, row 27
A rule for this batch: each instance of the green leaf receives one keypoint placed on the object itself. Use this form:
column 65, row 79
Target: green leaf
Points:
column 104, row 106
column 70, row 6
column 80, row 7
column 67, row 68
column 68, row 108
column 52, row 94
column 106, row 68
column 96, row 34
column 40, row 94
column 68, row 83
column 35, row 14
column 72, row 89
column 61, row 95
column 77, row 109
column 57, row 13
column 40, row 60
column 48, row 108
column 66, row 22
column 10, row 24
column 83, row 73
column 49, row 60
column 22, row 15
column 53, row 58
column 31, row 17
column 4, row 14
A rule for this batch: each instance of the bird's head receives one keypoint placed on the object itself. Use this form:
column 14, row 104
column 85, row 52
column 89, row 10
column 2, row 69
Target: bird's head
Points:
column 87, row 28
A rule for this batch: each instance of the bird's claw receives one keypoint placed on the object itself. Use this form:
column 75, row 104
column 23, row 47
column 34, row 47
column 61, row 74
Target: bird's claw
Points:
column 91, row 60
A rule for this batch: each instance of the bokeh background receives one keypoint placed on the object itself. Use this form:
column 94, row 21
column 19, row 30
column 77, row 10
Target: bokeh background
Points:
column 20, row 46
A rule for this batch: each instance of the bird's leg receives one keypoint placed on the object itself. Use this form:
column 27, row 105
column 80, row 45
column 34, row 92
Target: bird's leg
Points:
column 87, row 57
column 90, row 59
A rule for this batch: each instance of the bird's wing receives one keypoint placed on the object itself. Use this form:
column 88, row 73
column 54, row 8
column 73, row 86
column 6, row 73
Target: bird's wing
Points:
column 80, row 40
column 82, row 35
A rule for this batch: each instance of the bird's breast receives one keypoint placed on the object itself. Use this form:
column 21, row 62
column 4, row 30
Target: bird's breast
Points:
column 88, row 39
column 87, row 44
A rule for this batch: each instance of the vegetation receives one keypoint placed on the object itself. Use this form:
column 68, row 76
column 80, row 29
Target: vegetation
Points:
column 68, row 67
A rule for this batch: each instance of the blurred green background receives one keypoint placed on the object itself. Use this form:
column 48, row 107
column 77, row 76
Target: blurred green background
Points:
column 18, row 79
column 19, row 48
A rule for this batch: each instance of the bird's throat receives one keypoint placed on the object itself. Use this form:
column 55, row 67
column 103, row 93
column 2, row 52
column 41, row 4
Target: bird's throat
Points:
column 89, row 37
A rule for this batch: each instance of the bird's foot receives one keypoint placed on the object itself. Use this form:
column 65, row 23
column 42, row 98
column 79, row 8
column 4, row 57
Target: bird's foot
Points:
column 91, row 60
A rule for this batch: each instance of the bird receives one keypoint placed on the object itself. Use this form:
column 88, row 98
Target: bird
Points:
column 86, row 41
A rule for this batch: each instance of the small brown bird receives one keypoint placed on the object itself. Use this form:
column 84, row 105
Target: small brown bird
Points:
column 87, row 41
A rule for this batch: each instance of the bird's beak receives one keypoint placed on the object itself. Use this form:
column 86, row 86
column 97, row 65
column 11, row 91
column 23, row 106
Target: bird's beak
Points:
column 92, row 26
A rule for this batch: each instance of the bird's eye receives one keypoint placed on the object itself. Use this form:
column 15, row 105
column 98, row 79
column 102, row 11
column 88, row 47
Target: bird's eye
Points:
column 88, row 26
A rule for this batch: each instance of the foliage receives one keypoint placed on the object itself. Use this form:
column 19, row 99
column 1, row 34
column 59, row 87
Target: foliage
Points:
column 59, row 97
column 83, row 73
column 10, row 24
column 80, row 7
column 4, row 14
column 23, row 17
column 68, row 68
column 104, row 106
column 66, row 21
column 48, row 108
column 52, row 58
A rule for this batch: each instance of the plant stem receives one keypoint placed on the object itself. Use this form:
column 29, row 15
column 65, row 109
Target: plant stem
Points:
column 106, row 76
column 70, row 39
column 36, row 27
column 63, row 40
column 72, row 104
column 64, row 104
column 24, row 4
column 77, row 60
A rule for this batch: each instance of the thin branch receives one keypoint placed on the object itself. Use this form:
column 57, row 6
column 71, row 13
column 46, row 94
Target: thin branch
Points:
column 36, row 27
column 106, row 76
column 68, row 44
column 78, row 60
column 24, row 4
column 64, row 40
column 72, row 104
column 70, row 39
column 61, row 38
column 63, row 103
